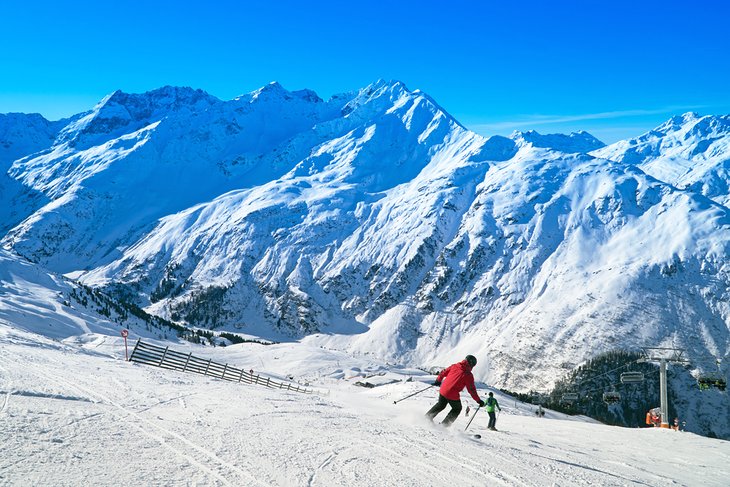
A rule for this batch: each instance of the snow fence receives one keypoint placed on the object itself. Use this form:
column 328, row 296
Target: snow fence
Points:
column 148, row 354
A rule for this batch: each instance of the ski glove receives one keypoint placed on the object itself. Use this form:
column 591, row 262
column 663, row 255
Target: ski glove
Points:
column 481, row 404
column 437, row 382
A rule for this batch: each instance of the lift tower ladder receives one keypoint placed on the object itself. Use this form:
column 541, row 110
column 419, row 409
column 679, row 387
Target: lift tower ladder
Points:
column 663, row 355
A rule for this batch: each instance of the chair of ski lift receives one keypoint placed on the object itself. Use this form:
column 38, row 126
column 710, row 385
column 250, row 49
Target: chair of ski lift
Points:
column 705, row 382
column 538, row 398
column 611, row 397
column 632, row 377
column 720, row 382
column 715, row 379
column 570, row 397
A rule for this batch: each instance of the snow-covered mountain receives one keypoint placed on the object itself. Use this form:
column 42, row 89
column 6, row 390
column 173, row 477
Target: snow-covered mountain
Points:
column 374, row 222
column 38, row 307
column 580, row 141
column 688, row 151
column 21, row 134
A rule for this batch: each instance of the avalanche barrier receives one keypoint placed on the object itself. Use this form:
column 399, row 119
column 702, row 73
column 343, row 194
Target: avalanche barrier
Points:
column 148, row 354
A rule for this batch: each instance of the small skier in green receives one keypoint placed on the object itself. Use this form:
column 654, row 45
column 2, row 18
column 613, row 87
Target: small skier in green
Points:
column 492, row 403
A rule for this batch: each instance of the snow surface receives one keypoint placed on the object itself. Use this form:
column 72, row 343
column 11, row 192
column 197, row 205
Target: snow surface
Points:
column 75, row 413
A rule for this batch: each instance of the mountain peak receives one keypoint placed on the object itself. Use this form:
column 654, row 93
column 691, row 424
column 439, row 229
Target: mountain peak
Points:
column 274, row 87
column 676, row 123
column 392, row 84
column 275, row 90
column 687, row 127
column 120, row 110
column 688, row 151
column 386, row 95
column 687, row 116
column 165, row 98
column 580, row 142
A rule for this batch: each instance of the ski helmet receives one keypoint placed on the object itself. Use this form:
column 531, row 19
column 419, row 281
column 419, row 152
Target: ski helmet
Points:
column 471, row 359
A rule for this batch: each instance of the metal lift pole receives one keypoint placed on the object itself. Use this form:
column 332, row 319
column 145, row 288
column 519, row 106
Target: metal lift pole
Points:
column 664, row 404
column 663, row 356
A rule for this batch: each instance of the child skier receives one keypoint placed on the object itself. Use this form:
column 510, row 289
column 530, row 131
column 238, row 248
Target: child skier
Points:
column 491, row 404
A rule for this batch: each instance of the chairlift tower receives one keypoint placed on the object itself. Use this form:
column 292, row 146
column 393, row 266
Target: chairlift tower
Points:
column 664, row 356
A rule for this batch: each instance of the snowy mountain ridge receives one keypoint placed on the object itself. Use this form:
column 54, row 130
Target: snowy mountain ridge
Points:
column 374, row 222
column 689, row 151
column 580, row 141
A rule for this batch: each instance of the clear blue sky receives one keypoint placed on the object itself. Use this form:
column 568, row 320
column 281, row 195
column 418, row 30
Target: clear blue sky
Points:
column 615, row 68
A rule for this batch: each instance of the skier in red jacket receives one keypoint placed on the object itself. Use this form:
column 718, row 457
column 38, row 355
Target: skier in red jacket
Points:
column 452, row 380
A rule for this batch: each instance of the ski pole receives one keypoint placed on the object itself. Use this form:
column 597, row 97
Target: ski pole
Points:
column 422, row 390
column 472, row 418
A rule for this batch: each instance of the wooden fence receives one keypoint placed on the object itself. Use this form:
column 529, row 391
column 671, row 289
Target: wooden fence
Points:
column 148, row 354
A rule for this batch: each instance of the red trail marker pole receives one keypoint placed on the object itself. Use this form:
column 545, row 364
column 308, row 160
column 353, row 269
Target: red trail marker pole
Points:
column 125, row 333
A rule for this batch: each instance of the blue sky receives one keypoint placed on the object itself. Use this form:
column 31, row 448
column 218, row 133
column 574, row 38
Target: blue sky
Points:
column 615, row 68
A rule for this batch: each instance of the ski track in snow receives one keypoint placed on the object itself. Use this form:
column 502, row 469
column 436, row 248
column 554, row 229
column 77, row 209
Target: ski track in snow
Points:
column 7, row 385
column 491, row 473
column 168, row 439
column 321, row 466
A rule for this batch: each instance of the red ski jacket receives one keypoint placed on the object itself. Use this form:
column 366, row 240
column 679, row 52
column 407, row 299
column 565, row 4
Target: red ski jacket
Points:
column 454, row 378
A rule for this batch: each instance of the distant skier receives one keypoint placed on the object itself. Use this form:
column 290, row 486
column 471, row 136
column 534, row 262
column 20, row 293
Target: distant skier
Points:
column 452, row 380
column 491, row 404
column 654, row 417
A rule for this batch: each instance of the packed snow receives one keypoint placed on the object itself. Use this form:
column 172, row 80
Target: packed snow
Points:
column 74, row 412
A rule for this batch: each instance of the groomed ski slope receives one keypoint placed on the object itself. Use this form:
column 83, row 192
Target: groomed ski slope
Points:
column 75, row 413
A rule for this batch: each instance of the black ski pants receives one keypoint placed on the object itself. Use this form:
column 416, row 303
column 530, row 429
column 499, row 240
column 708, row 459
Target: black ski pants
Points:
column 492, row 419
column 441, row 405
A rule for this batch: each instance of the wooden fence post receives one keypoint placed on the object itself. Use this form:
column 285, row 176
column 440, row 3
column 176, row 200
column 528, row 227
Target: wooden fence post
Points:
column 186, row 361
column 135, row 348
column 207, row 367
column 163, row 356
column 224, row 372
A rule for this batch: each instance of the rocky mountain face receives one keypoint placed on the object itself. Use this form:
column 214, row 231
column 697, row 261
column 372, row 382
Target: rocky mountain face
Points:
column 375, row 222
